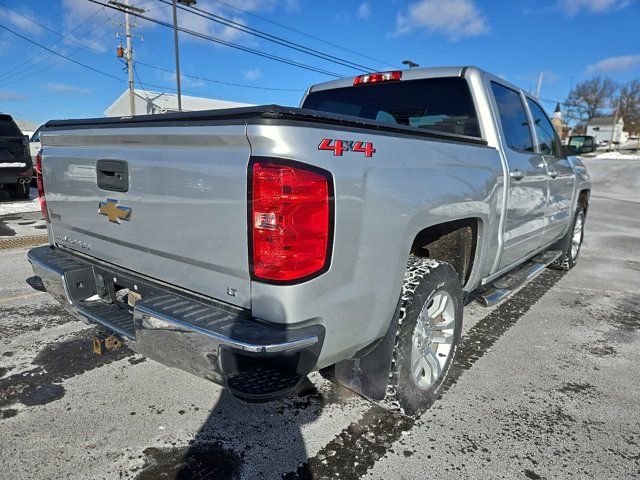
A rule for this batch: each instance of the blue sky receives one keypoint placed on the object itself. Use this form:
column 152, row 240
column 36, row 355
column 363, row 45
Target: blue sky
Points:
column 569, row 40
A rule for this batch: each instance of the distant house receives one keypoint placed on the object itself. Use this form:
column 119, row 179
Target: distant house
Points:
column 601, row 128
column 561, row 126
column 150, row 103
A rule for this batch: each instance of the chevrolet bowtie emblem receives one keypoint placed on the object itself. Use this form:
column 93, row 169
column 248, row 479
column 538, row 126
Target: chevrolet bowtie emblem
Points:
column 115, row 212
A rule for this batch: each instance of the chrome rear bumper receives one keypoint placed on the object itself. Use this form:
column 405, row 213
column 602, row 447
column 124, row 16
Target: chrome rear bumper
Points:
column 254, row 359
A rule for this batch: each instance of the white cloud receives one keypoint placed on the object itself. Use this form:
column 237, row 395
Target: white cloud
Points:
column 252, row 74
column 84, row 24
column 574, row 7
column 364, row 11
column 11, row 96
column 21, row 23
column 615, row 64
column 64, row 88
column 75, row 12
column 205, row 26
column 454, row 18
column 292, row 6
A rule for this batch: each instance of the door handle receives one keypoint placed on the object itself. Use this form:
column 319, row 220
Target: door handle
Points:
column 517, row 174
column 113, row 175
column 552, row 173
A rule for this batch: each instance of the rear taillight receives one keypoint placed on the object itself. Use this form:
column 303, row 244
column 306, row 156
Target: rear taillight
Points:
column 291, row 221
column 43, row 202
column 378, row 77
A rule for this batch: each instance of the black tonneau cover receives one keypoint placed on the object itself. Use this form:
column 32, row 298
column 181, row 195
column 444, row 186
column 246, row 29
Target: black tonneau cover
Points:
column 258, row 114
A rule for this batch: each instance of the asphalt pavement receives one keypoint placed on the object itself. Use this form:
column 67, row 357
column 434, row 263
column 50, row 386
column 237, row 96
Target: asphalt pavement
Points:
column 546, row 385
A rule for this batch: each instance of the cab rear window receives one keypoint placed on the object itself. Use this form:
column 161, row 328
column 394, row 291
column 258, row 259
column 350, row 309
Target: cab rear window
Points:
column 8, row 127
column 441, row 104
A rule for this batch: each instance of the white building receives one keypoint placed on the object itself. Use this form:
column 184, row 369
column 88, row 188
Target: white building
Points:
column 148, row 103
column 26, row 127
column 600, row 128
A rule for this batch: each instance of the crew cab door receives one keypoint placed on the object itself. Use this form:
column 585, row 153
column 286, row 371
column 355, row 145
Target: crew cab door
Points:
column 527, row 181
column 558, row 213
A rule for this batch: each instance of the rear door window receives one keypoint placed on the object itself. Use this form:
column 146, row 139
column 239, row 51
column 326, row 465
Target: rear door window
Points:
column 513, row 117
column 441, row 104
column 548, row 142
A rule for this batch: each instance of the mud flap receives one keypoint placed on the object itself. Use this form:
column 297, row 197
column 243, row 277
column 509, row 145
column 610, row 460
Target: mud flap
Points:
column 368, row 373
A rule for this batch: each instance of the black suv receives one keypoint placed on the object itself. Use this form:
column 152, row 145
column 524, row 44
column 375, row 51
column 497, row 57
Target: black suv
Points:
column 16, row 168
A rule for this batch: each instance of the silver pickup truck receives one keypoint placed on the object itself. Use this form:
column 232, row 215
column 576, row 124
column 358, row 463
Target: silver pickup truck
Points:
column 251, row 246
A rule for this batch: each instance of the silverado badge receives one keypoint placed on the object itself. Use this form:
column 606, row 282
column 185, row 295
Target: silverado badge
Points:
column 115, row 212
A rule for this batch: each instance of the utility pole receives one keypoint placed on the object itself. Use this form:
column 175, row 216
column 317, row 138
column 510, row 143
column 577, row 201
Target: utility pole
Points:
column 539, row 86
column 613, row 126
column 175, row 42
column 128, row 54
column 188, row 3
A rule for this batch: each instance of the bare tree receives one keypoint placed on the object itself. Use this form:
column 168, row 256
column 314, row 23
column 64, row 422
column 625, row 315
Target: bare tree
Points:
column 629, row 98
column 587, row 99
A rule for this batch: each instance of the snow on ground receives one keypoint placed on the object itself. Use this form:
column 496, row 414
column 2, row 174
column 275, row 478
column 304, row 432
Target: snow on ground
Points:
column 618, row 156
column 32, row 205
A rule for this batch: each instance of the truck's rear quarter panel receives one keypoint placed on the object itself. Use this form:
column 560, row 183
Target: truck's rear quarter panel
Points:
column 187, row 191
column 381, row 204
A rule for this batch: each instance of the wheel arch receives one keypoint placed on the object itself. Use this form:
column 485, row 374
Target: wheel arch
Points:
column 457, row 242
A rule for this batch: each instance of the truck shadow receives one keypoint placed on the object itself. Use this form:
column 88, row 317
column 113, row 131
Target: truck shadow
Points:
column 241, row 440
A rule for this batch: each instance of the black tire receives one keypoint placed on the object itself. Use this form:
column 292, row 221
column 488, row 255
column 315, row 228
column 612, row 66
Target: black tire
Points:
column 425, row 279
column 570, row 255
column 19, row 191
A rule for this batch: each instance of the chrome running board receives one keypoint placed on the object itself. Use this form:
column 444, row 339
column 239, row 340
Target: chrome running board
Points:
column 509, row 283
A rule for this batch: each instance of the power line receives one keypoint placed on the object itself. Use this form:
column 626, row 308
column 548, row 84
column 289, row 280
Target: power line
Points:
column 28, row 18
column 163, row 88
column 271, row 38
column 89, row 46
column 228, row 44
column 257, row 87
column 59, row 54
column 45, row 58
column 300, row 32
column 29, row 60
column 46, row 67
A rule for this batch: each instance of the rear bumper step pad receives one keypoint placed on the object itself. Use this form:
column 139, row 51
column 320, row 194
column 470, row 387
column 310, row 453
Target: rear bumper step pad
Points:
column 257, row 361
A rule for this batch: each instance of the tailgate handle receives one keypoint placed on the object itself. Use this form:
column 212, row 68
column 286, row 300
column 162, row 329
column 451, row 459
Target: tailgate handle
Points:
column 113, row 175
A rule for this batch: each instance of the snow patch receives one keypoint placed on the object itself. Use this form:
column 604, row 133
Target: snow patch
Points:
column 618, row 156
column 32, row 205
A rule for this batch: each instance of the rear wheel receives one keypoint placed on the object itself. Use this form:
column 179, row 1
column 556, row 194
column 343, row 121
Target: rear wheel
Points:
column 429, row 331
column 573, row 242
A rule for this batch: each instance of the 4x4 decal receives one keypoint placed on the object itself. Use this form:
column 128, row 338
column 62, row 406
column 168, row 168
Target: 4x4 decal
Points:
column 338, row 147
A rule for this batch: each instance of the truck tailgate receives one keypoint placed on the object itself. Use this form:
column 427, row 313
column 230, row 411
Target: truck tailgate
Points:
column 12, row 154
column 183, row 218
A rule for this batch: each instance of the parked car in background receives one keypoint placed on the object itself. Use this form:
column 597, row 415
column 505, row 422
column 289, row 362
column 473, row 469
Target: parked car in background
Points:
column 35, row 144
column 34, row 147
column 16, row 167
column 581, row 144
